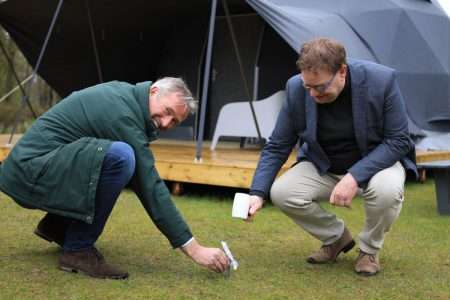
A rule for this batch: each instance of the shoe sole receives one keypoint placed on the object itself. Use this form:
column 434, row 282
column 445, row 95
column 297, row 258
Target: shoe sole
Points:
column 345, row 249
column 366, row 274
column 75, row 270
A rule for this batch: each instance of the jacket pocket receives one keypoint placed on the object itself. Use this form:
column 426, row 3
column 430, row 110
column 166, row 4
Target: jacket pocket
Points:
column 39, row 165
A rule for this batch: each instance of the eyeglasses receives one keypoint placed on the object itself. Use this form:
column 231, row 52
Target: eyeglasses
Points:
column 321, row 88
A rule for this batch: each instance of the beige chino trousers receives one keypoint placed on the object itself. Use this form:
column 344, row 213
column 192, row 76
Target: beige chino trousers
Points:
column 300, row 189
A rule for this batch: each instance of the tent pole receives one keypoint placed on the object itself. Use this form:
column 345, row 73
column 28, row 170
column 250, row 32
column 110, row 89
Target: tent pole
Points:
column 94, row 43
column 258, row 56
column 241, row 68
column 47, row 38
column 36, row 67
column 16, row 77
column 206, row 73
column 199, row 78
column 14, row 89
column 256, row 71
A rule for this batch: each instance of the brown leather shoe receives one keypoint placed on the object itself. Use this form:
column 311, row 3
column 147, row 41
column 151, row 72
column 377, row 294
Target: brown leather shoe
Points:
column 329, row 253
column 367, row 264
column 90, row 262
column 52, row 228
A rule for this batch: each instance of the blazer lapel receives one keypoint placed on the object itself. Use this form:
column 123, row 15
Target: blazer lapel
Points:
column 359, row 106
column 311, row 117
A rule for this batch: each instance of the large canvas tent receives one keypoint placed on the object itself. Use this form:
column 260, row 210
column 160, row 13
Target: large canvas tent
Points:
column 138, row 40
column 411, row 36
column 153, row 39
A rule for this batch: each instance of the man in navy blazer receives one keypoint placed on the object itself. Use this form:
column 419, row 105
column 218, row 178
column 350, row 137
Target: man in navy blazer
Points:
column 350, row 121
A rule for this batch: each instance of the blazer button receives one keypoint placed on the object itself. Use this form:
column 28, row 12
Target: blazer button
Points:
column 100, row 149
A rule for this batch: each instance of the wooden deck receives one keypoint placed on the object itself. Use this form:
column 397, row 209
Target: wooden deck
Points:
column 228, row 165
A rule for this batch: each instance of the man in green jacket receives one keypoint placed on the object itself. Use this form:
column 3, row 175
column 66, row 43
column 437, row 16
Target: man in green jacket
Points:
column 78, row 156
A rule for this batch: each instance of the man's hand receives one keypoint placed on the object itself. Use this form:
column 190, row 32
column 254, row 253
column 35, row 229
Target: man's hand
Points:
column 256, row 203
column 344, row 191
column 211, row 258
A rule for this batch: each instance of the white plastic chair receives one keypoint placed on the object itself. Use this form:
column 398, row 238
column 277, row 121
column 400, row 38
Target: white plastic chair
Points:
column 236, row 120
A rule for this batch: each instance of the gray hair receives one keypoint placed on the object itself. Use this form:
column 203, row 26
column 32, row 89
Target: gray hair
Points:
column 167, row 85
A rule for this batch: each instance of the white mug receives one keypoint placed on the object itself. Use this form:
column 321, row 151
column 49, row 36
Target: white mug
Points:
column 241, row 205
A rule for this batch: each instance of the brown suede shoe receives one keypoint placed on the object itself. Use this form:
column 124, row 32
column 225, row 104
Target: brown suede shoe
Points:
column 52, row 228
column 90, row 262
column 367, row 264
column 329, row 253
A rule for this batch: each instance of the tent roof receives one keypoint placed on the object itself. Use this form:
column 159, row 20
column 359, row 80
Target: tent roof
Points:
column 411, row 36
column 134, row 38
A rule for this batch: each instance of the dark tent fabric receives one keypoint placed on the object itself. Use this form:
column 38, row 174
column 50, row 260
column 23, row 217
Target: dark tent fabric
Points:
column 141, row 40
column 132, row 36
column 412, row 36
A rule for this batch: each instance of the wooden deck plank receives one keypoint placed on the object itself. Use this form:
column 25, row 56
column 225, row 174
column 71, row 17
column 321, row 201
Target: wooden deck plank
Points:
column 228, row 165
column 233, row 167
column 425, row 156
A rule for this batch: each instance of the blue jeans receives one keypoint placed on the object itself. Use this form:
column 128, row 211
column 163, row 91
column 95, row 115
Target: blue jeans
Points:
column 117, row 170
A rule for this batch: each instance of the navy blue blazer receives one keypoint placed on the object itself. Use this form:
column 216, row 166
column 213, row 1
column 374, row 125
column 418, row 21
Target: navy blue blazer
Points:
column 379, row 118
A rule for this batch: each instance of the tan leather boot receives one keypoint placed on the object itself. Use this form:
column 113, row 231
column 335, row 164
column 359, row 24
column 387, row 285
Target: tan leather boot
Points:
column 367, row 264
column 90, row 262
column 329, row 253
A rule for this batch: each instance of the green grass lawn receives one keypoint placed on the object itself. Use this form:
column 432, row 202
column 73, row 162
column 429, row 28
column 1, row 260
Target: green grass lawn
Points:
column 271, row 252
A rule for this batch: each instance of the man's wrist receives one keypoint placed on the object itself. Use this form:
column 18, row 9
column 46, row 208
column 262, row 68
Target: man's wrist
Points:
column 350, row 175
column 187, row 243
column 258, row 193
column 190, row 247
